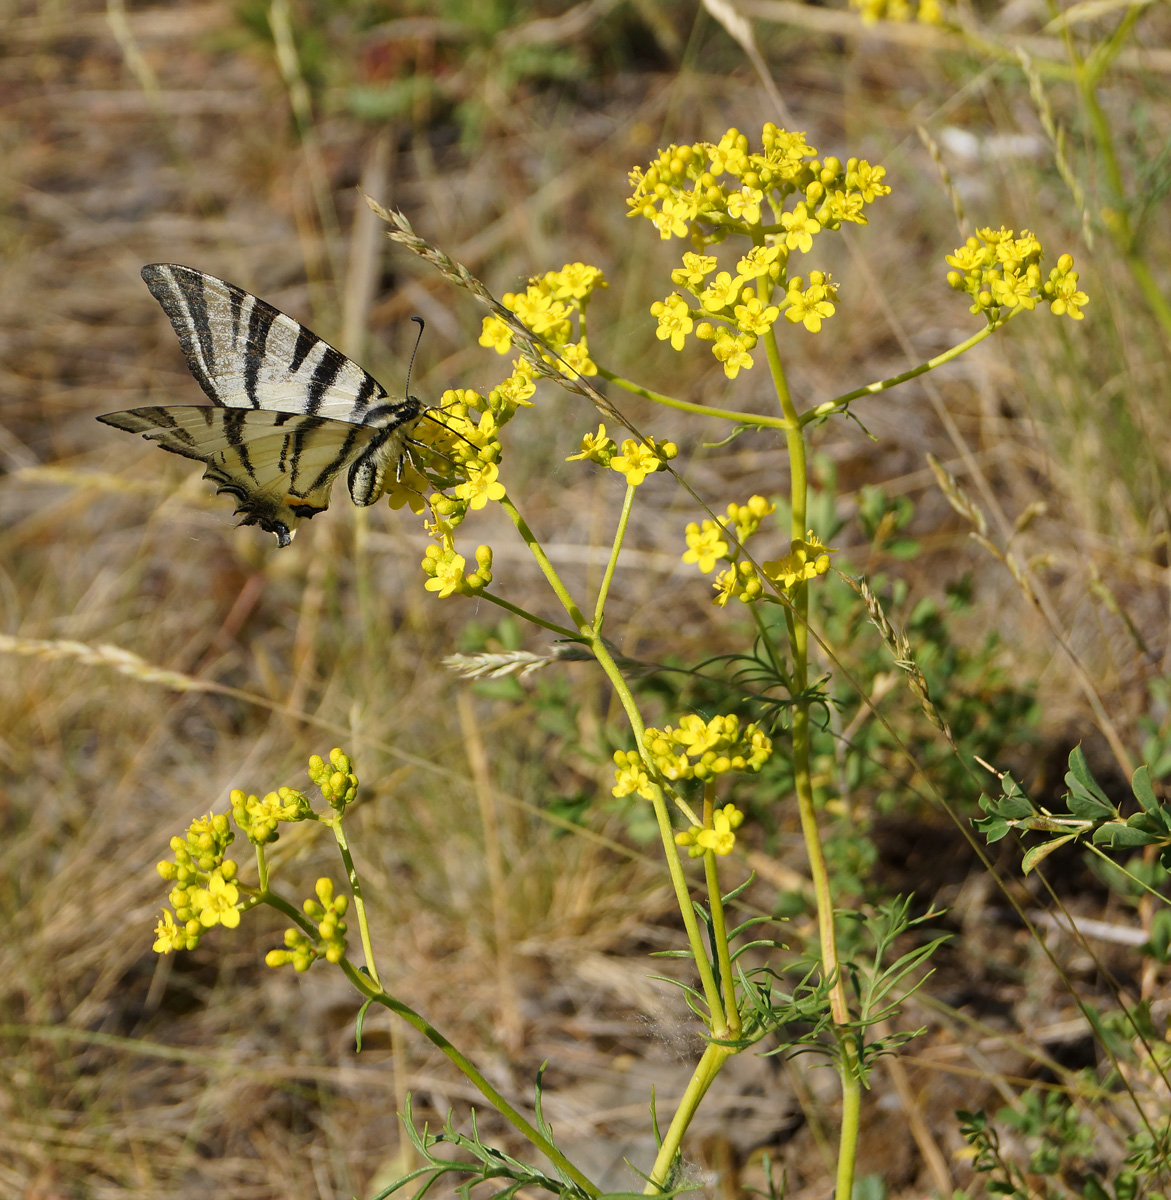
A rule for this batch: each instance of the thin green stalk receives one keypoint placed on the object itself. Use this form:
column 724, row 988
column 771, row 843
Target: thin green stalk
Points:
column 359, row 904
column 670, row 850
column 524, row 614
column 547, row 568
column 619, row 536
column 803, row 784
column 702, row 410
column 719, row 924
column 705, row 1073
column 534, row 1135
column 851, row 1127
column 821, row 411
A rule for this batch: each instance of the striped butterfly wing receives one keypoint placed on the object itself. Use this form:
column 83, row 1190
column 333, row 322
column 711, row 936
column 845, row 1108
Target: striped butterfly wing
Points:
column 278, row 466
column 291, row 412
column 246, row 354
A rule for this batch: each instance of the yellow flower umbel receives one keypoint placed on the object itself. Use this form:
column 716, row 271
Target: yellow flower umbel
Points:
column 781, row 197
column 548, row 306
column 926, row 12
column 808, row 557
column 701, row 749
column 301, row 951
column 204, row 894
column 707, row 543
column 1002, row 274
column 719, row 837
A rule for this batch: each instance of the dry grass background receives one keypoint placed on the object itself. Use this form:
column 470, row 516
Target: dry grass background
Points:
column 169, row 133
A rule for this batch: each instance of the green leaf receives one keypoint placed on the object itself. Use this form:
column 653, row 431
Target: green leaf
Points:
column 1121, row 833
column 1039, row 853
column 1140, row 784
column 993, row 828
column 1085, row 798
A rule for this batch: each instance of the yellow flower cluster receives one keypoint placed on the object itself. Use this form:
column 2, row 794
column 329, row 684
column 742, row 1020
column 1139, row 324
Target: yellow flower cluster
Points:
column 258, row 819
column 327, row 910
column 1002, row 274
column 708, row 191
column 468, row 438
column 547, row 307
column 635, row 461
column 336, row 779
column 926, row 12
column 631, row 776
column 808, row 557
column 204, row 894
column 706, row 542
column 701, row 749
column 445, row 571
column 719, row 838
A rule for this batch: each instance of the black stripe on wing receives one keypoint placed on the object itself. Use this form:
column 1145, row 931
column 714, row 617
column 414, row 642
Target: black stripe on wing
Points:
column 246, row 354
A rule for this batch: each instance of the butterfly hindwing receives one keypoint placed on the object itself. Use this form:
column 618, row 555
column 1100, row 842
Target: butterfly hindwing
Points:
column 278, row 466
column 291, row 412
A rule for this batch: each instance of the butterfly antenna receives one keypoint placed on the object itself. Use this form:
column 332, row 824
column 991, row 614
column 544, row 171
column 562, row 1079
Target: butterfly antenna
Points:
column 411, row 364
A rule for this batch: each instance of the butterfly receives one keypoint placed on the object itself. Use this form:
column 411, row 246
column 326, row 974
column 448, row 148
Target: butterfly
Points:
column 290, row 412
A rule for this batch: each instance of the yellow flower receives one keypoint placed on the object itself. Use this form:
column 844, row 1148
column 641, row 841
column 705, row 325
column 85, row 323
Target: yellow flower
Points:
column 757, row 261
column 732, row 351
column 496, row 334
column 216, row 904
column 696, row 267
column 744, row 204
column 799, row 229
column 597, row 447
column 861, row 177
column 1014, row 290
column 753, row 317
column 704, row 545
column 636, row 461
column 514, row 391
column 575, row 360
column 674, row 320
column 808, row 306
column 1067, row 299
column 575, row 280
column 631, row 776
column 446, row 569
column 481, row 486
column 808, row 558
column 168, row 935
column 720, row 839
column 724, row 291
column 747, row 517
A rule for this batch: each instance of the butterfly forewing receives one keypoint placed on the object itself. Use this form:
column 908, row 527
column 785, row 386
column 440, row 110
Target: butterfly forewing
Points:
column 291, row 412
column 247, row 354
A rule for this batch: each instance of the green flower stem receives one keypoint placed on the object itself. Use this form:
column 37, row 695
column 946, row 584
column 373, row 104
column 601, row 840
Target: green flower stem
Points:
column 706, row 1070
column 803, row 784
column 704, row 410
column 524, row 614
column 335, row 823
column 498, row 1102
column 719, row 925
column 711, row 992
column 547, row 568
column 670, row 851
column 850, row 1125
column 871, row 389
column 619, row 536
column 262, row 868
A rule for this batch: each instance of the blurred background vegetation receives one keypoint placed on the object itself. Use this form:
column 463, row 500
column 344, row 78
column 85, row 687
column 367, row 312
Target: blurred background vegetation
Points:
column 234, row 137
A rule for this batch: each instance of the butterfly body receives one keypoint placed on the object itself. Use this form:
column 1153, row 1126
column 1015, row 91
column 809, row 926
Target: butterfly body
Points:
column 290, row 412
